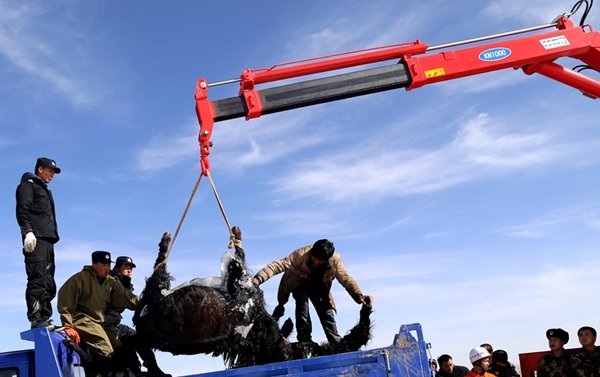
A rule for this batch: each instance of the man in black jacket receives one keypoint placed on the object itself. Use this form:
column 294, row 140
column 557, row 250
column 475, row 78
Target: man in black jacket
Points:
column 449, row 369
column 37, row 219
column 123, row 272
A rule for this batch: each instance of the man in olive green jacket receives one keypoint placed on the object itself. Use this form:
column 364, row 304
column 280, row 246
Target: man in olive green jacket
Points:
column 308, row 275
column 83, row 300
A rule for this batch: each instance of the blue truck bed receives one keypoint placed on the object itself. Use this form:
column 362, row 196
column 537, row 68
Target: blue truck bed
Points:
column 406, row 357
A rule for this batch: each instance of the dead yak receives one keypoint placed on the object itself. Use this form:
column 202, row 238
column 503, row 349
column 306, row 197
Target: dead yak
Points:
column 356, row 338
column 224, row 317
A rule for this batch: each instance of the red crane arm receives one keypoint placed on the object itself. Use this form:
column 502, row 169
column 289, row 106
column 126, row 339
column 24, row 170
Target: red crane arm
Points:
column 534, row 53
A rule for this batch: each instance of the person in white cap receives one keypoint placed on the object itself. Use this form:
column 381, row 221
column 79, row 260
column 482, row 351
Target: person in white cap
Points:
column 37, row 220
column 481, row 360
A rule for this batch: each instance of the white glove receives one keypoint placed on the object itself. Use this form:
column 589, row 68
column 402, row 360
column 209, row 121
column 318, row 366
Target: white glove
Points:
column 30, row 242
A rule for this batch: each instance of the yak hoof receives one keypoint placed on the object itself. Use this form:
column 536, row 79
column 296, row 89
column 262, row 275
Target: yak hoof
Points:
column 237, row 232
column 287, row 328
column 165, row 241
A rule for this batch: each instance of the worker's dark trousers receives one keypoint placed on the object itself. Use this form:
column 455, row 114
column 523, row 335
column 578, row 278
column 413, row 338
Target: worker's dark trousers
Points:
column 324, row 310
column 41, row 288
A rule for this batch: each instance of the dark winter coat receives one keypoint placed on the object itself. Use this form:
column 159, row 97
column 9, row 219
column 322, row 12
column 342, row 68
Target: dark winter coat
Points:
column 82, row 295
column 459, row 371
column 35, row 208
column 113, row 315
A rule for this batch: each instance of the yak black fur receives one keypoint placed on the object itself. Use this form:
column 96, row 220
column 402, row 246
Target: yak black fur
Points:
column 229, row 320
column 357, row 337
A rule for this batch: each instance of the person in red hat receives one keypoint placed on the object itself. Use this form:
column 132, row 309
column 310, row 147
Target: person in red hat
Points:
column 37, row 220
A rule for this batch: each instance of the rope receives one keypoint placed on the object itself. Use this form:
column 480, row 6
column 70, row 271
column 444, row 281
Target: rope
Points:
column 187, row 207
column 232, row 242
column 231, row 236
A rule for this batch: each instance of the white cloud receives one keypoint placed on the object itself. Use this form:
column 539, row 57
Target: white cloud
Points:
column 241, row 145
column 376, row 233
column 236, row 144
column 480, row 148
column 165, row 151
column 516, row 303
column 556, row 223
column 306, row 223
column 54, row 63
column 379, row 26
column 538, row 11
column 486, row 147
column 484, row 82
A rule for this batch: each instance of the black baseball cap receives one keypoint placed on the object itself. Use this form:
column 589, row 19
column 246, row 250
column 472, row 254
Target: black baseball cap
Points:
column 100, row 256
column 124, row 260
column 47, row 163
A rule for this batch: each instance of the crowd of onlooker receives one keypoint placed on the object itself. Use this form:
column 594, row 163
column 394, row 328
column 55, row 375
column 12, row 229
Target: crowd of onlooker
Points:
column 580, row 362
column 484, row 360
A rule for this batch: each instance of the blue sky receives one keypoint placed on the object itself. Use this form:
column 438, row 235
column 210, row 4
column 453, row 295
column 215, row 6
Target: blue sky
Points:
column 470, row 206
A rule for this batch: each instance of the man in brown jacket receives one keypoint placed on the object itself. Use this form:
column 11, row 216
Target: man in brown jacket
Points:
column 82, row 303
column 308, row 274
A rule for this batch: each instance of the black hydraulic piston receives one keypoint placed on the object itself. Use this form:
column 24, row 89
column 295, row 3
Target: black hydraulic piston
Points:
column 321, row 90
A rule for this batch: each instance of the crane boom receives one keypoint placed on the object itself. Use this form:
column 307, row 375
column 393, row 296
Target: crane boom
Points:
column 534, row 53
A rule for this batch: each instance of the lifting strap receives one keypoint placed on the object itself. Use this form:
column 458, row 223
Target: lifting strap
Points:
column 187, row 207
column 219, row 203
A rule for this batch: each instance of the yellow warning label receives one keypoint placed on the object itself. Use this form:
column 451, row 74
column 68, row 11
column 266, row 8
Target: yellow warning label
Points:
column 435, row 72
